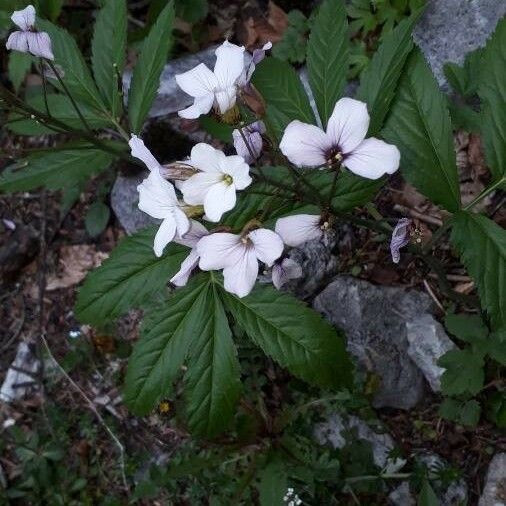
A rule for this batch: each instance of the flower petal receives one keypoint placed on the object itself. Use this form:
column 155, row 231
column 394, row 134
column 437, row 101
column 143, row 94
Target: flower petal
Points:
column 219, row 250
column 225, row 99
column 165, row 234
column 25, row 18
column 196, row 188
column 39, row 44
column 206, row 158
column 255, row 143
column 187, row 266
column 193, row 236
column 299, row 228
column 229, row 64
column 17, row 41
column 157, row 196
column 140, row 151
column 197, row 82
column 305, row 145
column 201, row 105
column 268, row 245
column 348, row 124
column 239, row 278
column 284, row 271
column 219, row 199
column 400, row 238
column 236, row 167
column 182, row 221
column 373, row 158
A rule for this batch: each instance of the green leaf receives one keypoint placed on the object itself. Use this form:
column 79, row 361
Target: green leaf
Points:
column 212, row 384
column 482, row 247
column 294, row 335
column 380, row 79
column 354, row 191
column 60, row 108
column 108, row 49
column 464, row 117
column 496, row 347
column 50, row 9
column 191, row 11
column 492, row 91
column 327, row 56
column 449, row 409
column 19, row 65
column 77, row 76
column 273, row 482
column 166, row 335
column 282, row 90
column 127, row 278
column 470, row 413
column 419, row 125
column 218, row 130
column 97, row 218
column 146, row 75
column 464, row 372
column 496, row 409
column 54, row 169
column 427, row 497
column 469, row 328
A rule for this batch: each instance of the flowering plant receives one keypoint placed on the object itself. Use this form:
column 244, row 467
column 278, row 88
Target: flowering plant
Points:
column 299, row 170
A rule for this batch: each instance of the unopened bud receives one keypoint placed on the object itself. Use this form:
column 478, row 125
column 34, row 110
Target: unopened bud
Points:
column 178, row 171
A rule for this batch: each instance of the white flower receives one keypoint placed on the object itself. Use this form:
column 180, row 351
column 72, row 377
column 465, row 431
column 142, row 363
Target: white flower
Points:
column 344, row 142
column 216, row 88
column 190, row 239
column 157, row 198
column 285, row 270
column 253, row 135
column 300, row 228
column 215, row 184
column 27, row 39
column 257, row 56
column 238, row 256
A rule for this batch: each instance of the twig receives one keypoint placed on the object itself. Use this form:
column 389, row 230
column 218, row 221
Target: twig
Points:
column 419, row 216
column 433, row 295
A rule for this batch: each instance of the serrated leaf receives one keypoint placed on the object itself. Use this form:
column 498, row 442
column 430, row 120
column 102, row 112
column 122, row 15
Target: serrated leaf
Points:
column 108, row 49
column 379, row 81
column 212, row 384
column 273, row 482
column 469, row 328
column 54, row 169
column 19, row 65
column 464, row 372
column 492, row 91
column 282, row 90
column 130, row 276
column 165, row 338
column 327, row 56
column 470, row 413
column 292, row 334
column 146, row 75
column 96, row 218
column 77, row 76
column 482, row 247
column 419, row 125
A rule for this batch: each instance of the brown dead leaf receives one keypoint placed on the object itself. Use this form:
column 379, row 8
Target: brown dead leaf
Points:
column 476, row 157
column 257, row 31
column 75, row 262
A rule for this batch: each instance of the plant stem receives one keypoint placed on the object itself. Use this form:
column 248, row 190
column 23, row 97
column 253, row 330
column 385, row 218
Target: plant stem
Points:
column 485, row 192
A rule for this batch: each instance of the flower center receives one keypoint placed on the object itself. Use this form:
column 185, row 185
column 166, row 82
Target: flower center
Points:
column 334, row 157
column 227, row 179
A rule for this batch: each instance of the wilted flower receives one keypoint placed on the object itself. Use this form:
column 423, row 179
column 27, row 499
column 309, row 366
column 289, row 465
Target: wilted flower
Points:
column 190, row 239
column 27, row 39
column 400, row 238
column 253, row 134
column 285, row 270
column 300, row 228
column 238, row 256
column 257, row 56
column 215, row 184
column 216, row 88
column 344, row 142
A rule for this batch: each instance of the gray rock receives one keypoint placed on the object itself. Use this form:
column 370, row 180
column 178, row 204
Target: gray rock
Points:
column 494, row 492
column 450, row 29
column 402, row 496
column 333, row 432
column 428, row 342
column 374, row 321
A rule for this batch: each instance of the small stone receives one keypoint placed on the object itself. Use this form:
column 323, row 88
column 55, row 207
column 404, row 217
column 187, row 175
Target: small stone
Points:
column 494, row 492
column 428, row 342
column 401, row 496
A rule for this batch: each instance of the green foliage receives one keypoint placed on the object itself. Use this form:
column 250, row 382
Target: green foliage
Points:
column 97, row 218
column 128, row 278
column 465, row 79
column 273, row 482
column 427, row 497
column 19, row 66
column 464, row 372
column 109, row 52
column 146, row 75
column 191, row 11
column 292, row 47
column 54, row 169
column 485, row 259
column 419, row 125
column 496, row 409
column 327, row 56
column 469, row 328
column 464, row 413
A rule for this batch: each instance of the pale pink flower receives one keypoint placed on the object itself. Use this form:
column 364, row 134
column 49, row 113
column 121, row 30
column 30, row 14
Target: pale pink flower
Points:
column 217, row 181
column 190, row 239
column 344, row 142
column 216, row 88
column 253, row 134
column 238, row 256
column 27, row 39
column 400, row 238
column 285, row 270
column 257, row 56
column 300, row 228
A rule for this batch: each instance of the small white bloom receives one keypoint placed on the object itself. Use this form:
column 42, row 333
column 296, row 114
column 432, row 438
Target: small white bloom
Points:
column 344, row 142
column 215, row 185
column 253, row 135
column 300, row 228
column 238, row 256
column 27, row 39
column 216, row 88
column 190, row 239
column 140, row 151
column 285, row 270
